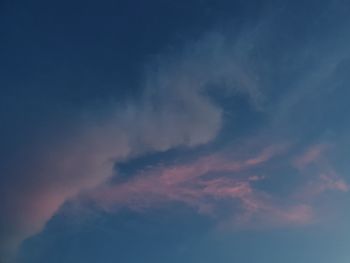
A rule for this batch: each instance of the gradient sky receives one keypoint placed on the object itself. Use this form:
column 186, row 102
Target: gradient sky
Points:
column 175, row 131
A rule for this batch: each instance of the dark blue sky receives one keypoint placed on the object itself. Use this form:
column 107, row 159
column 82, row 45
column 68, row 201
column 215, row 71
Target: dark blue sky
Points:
column 174, row 131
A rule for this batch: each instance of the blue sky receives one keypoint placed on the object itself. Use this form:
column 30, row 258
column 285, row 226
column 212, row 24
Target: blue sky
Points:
column 174, row 131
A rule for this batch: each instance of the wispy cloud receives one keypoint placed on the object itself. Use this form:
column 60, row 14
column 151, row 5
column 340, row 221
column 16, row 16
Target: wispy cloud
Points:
column 206, row 183
column 174, row 110
column 194, row 184
column 320, row 175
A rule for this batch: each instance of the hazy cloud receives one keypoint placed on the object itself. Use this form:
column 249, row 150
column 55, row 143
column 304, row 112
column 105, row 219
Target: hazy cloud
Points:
column 174, row 110
column 297, row 89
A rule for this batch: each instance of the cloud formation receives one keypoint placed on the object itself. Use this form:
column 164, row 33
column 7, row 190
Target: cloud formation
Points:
column 174, row 110
column 209, row 182
column 177, row 109
column 319, row 172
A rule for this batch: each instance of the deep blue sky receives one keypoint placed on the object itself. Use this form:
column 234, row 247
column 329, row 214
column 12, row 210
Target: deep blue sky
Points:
column 174, row 131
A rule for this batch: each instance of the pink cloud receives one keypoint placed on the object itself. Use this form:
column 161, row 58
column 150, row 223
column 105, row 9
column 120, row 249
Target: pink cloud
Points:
column 311, row 155
column 208, row 182
column 320, row 176
column 323, row 182
column 266, row 154
column 271, row 215
column 204, row 184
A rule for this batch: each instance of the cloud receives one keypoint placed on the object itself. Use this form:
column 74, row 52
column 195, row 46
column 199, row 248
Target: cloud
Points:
column 311, row 155
column 220, row 182
column 207, row 184
column 320, row 175
column 190, row 183
column 174, row 110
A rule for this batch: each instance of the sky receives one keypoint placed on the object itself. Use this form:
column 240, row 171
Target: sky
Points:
column 174, row 131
